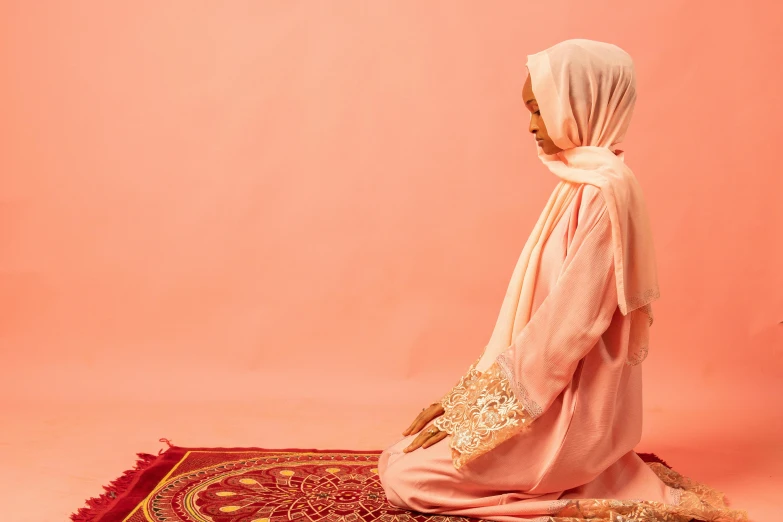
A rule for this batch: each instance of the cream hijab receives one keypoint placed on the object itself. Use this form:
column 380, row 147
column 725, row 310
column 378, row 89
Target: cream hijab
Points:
column 586, row 92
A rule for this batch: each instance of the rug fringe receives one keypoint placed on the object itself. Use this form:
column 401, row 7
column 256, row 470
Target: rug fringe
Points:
column 652, row 457
column 97, row 506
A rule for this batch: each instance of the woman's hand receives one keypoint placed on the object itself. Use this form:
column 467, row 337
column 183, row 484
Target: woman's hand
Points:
column 426, row 438
column 429, row 436
column 426, row 416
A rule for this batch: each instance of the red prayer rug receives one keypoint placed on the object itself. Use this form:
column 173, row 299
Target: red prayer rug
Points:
column 252, row 485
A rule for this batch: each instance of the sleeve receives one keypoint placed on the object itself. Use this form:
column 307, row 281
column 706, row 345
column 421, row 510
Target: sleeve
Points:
column 487, row 408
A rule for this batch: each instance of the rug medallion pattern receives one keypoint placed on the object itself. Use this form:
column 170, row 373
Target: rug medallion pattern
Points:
column 218, row 486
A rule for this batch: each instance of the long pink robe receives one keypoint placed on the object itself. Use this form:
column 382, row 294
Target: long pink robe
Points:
column 588, row 400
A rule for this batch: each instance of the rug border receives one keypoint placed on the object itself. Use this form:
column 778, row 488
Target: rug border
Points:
column 136, row 484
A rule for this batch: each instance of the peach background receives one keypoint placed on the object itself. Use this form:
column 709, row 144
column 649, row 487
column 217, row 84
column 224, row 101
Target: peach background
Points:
column 290, row 223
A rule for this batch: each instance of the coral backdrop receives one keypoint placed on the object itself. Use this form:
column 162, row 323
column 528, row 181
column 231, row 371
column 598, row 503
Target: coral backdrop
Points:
column 321, row 202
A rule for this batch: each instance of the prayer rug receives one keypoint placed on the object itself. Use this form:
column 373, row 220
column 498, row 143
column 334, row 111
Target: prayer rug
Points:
column 252, row 485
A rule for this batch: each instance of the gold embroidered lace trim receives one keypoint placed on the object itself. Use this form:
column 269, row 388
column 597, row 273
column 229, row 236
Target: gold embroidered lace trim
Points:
column 480, row 412
column 696, row 501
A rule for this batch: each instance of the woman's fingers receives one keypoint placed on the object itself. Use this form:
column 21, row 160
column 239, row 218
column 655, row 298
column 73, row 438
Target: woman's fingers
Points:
column 425, row 439
column 415, row 422
column 421, row 421
column 426, row 416
column 418, row 423
column 417, row 442
column 434, row 439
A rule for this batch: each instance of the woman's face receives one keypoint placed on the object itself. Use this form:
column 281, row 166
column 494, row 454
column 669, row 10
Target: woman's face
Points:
column 537, row 127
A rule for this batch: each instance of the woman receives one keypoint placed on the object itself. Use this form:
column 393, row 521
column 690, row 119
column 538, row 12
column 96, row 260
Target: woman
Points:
column 544, row 423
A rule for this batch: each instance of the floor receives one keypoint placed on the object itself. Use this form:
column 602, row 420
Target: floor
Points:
column 67, row 451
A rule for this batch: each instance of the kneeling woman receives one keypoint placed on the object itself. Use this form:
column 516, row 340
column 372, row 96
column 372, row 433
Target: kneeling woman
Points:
column 544, row 423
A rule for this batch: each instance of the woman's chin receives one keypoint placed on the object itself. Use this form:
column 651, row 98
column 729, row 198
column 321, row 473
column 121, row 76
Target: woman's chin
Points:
column 548, row 148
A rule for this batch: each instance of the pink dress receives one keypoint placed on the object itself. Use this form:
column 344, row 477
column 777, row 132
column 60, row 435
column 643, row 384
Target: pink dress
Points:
column 582, row 405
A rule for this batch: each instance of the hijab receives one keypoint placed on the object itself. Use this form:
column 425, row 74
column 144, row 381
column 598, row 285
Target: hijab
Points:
column 586, row 91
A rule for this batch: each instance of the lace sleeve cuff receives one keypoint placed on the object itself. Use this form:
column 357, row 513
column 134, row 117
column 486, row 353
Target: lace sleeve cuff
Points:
column 481, row 412
column 447, row 398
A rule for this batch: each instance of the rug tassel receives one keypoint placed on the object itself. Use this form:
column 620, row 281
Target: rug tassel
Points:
column 97, row 506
